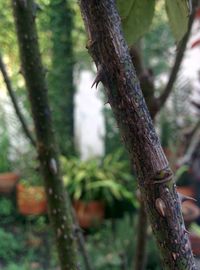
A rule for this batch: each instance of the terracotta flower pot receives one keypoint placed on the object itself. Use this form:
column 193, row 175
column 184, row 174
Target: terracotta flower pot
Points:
column 195, row 243
column 8, row 181
column 89, row 213
column 31, row 200
column 189, row 208
column 188, row 191
column 190, row 211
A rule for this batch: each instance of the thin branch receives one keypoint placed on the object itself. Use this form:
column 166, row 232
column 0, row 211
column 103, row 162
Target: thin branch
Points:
column 15, row 103
column 148, row 89
column 115, row 70
column 19, row 114
column 81, row 242
column 177, row 63
column 189, row 136
column 58, row 200
column 191, row 146
column 141, row 244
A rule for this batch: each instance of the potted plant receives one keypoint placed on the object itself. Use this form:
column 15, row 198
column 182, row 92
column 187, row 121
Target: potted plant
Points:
column 95, row 184
column 8, row 181
column 31, row 197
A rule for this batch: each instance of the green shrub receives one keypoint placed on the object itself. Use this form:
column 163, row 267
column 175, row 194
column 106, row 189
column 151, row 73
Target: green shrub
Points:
column 108, row 179
column 9, row 246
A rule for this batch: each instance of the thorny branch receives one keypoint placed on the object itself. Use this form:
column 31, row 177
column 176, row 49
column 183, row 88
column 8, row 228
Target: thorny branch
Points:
column 111, row 55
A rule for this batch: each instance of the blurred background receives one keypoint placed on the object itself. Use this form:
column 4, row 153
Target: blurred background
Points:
column 95, row 166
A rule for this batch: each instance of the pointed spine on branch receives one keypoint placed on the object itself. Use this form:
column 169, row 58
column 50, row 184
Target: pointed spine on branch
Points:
column 123, row 89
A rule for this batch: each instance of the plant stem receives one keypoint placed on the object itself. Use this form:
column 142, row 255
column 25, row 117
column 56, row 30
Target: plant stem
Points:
column 148, row 89
column 58, row 201
column 15, row 103
column 141, row 254
column 177, row 63
column 154, row 106
column 81, row 242
column 115, row 70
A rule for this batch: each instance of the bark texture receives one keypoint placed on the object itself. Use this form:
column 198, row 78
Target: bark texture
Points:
column 155, row 105
column 147, row 84
column 58, row 202
column 115, row 70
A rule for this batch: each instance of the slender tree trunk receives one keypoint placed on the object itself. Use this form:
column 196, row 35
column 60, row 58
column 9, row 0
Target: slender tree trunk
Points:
column 61, row 86
column 141, row 253
column 81, row 242
column 154, row 106
column 15, row 103
column 148, row 89
column 58, row 202
column 28, row 134
column 115, row 70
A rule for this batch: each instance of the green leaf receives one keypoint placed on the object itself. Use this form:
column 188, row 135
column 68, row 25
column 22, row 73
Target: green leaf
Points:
column 124, row 7
column 177, row 11
column 137, row 16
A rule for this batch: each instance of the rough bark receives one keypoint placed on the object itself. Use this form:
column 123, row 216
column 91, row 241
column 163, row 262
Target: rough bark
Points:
column 154, row 106
column 61, row 87
column 115, row 70
column 147, row 84
column 58, row 202
column 13, row 98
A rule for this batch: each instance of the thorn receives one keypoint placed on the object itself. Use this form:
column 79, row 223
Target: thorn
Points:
column 21, row 72
column 186, row 231
column 184, row 198
column 98, row 76
column 107, row 102
column 174, row 256
column 160, row 206
column 38, row 7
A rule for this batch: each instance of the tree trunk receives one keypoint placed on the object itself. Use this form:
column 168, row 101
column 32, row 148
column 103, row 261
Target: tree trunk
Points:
column 58, row 202
column 61, row 87
column 148, row 89
column 115, row 70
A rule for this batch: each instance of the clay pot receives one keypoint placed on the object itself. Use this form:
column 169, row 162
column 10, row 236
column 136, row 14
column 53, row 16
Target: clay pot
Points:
column 189, row 208
column 8, row 182
column 89, row 213
column 31, row 200
column 195, row 243
column 190, row 211
column 188, row 191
